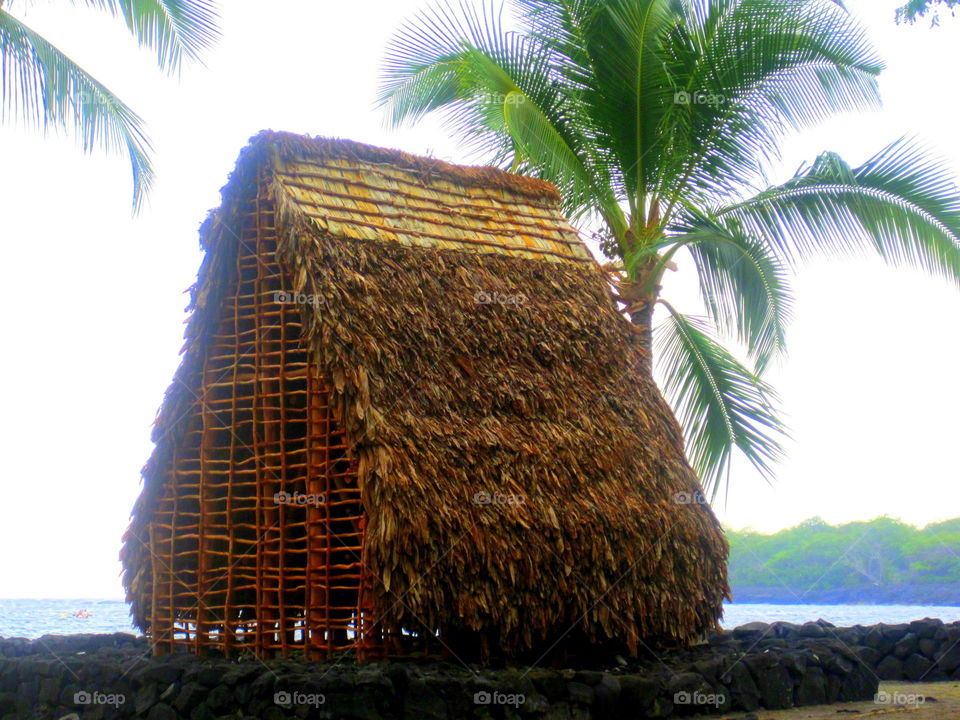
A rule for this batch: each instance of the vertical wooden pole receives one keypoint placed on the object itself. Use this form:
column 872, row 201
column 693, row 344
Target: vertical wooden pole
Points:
column 172, row 545
column 207, row 440
column 229, row 627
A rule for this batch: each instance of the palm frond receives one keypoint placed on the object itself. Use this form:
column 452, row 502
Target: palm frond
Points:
column 173, row 28
column 747, row 70
column 633, row 91
column 915, row 9
column 42, row 87
column 720, row 403
column 743, row 284
column 491, row 86
column 902, row 203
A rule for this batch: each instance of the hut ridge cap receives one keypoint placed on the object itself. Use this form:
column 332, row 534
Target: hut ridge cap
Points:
column 289, row 144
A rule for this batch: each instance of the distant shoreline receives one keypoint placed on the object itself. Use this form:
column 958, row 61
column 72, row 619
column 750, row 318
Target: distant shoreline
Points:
column 940, row 595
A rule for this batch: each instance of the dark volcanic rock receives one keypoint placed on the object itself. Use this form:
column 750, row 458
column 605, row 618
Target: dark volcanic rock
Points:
column 756, row 666
column 579, row 693
column 422, row 703
column 849, row 636
column 907, row 646
column 772, row 680
column 160, row 672
column 874, row 637
column 890, row 668
column 220, row 699
column 926, row 628
column 744, row 691
column 145, row 698
column 49, row 691
column 813, row 630
column 867, row 655
column 782, row 629
column 606, row 696
column 928, row 647
column 949, row 660
column 916, row 667
column 638, row 695
column 162, row 712
column 754, row 628
column 812, row 689
column 191, row 695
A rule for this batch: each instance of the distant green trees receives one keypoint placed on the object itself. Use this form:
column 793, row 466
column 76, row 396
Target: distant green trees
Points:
column 883, row 560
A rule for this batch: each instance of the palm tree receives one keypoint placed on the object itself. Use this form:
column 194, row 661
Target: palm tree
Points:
column 42, row 87
column 656, row 119
column 919, row 8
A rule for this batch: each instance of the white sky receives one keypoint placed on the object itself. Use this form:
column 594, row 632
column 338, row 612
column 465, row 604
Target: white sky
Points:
column 92, row 298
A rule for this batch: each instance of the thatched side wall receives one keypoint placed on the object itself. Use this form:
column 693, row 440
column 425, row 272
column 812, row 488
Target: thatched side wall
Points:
column 520, row 475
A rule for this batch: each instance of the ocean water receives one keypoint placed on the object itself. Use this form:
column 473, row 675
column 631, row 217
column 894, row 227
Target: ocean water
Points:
column 33, row 618
column 735, row 614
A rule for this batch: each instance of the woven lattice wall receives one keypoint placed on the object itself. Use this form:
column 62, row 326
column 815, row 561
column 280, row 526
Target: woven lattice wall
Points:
column 257, row 539
column 472, row 347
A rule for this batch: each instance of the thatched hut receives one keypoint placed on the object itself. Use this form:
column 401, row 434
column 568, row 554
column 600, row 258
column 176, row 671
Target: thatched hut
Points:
column 408, row 407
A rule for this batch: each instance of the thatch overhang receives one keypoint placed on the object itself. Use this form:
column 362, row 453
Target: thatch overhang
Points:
column 520, row 474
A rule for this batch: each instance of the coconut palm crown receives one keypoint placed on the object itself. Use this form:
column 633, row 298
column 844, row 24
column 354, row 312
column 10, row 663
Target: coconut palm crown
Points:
column 656, row 119
column 41, row 87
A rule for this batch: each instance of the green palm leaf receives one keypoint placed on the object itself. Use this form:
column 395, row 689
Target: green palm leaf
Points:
column 42, row 87
column 902, row 204
column 173, row 28
column 720, row 402
column 749, row 70
column 743, row 284
column 490, row 85
column 919, row 8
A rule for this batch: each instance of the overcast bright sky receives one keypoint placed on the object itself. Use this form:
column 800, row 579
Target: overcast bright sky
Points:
column 93, row 299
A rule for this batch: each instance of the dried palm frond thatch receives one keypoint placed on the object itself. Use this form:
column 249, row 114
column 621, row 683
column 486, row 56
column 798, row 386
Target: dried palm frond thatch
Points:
column 499, row 468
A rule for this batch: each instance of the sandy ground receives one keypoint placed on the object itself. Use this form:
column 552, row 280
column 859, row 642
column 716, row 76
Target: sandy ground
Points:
column 910, row 701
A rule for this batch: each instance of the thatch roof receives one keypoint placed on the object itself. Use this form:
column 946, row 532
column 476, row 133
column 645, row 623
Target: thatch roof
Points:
column 474, row 347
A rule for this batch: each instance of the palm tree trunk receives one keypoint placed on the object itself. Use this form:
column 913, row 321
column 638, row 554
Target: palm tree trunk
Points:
column 641, row 295
column 641, row 315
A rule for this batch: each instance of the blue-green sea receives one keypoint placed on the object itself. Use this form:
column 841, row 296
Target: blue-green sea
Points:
column 34, row 618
